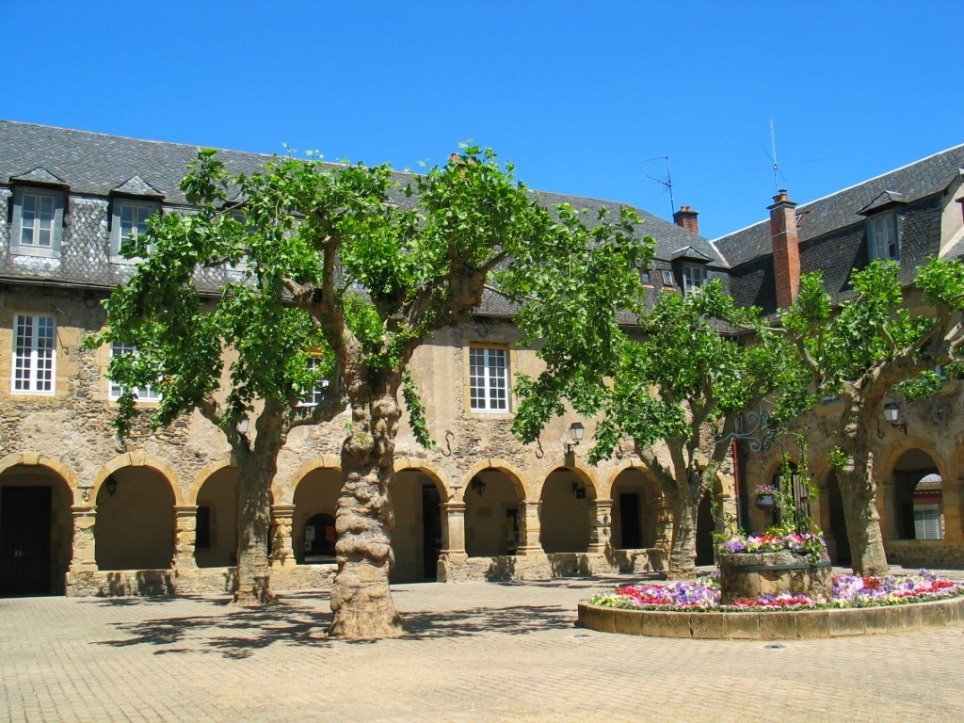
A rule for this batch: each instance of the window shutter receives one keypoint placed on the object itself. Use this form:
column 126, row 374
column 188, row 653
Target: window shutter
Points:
column 56, row 232
column 17, row 209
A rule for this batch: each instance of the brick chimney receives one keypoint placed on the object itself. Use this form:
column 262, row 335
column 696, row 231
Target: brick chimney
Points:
column 786, row 248
column 686, row 218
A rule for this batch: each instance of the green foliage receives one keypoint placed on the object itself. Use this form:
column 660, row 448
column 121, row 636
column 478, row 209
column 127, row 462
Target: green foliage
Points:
column 837, row 457
column 416, row 412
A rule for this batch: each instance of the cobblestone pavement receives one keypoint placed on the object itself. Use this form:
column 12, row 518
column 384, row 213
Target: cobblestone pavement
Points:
column 478, row 651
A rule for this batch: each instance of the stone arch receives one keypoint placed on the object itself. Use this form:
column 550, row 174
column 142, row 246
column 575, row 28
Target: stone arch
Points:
column 895, row 451
column 606, row 489
column 437, row 476
column 313, row 495
column 39, row 492
column 587, row 476
column 916, row 503
column 285, row 494
column 636, row 502
column 203, row 475
column 34, row 459
column 516, row 476
column 138, row 459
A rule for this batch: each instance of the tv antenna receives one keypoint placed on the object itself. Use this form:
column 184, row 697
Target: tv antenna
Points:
column 666, row 182
column 774, row 162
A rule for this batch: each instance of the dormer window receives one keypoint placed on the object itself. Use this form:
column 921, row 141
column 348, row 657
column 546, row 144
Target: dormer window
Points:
column 692, row 277
column 129, row 219
column 882, row 237
column 38, row 219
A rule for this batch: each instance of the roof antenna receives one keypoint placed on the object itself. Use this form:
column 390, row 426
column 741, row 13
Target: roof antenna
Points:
column 667, row 182
column 775, row 164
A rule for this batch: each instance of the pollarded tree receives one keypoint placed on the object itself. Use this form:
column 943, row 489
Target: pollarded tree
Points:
column 377, row 269
column 671, row 378
column 864, row 350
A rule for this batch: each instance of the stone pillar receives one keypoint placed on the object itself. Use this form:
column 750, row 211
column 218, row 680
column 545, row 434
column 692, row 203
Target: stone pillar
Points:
column 529, row 534
column 84, row 559
column 887, row 510
column 282, row 552
column 952, row 502
column 453, row 531
column 185, row 537
column 600, row 525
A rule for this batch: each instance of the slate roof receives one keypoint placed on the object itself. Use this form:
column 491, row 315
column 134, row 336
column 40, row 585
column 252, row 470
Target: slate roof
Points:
column 910, row 183
column 97, row 164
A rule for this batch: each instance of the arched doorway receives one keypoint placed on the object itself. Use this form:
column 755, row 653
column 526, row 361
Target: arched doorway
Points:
column 135, row 521
column 840, row 552
column 417, row 536
column 216, row 543
column 564, row 523
column 36, row 531
column 634, row 510
column 313, row 528
column 494, row 514
column 918, row 498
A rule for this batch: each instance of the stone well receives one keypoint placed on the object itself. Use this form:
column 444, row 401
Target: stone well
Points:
column 750, row 575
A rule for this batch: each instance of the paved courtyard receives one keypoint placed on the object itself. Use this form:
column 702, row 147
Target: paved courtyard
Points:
column 478, row 651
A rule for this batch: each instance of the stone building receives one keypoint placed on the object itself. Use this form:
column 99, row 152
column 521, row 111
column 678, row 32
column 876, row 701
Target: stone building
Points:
column 82, row 512
column 908, row 215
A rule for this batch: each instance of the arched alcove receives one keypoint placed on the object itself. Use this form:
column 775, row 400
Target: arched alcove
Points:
column 216, row 542
column 135, row 520
column 566, row 499
column 316, row 501
column 634, row 496
column 918, row 498
column 494, row 513
column 417, row 537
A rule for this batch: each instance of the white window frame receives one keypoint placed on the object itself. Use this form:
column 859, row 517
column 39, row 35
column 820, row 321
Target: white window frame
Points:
column 33, row 365
column 489, row 390
column 56, row 220
column 692, row 277
column 141, row 211
column 317, row 394
column 666, row 276
column 927, row 521
column 115, row 390
column 883, row 237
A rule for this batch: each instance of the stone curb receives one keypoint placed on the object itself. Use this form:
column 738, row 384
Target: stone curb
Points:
column 778, row 625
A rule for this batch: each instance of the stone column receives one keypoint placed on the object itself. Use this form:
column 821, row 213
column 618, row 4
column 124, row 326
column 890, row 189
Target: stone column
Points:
column 282, row 552
column 600, row 525
column 530, row 544
column 84, row 519
column 185, row 538
column 453, row 531
column 952, row 502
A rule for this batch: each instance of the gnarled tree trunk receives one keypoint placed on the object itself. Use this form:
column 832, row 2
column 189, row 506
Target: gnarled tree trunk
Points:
column 859, row 493
column 361, row 600
column 682, row 550
column 254, row 526
column 258, row 469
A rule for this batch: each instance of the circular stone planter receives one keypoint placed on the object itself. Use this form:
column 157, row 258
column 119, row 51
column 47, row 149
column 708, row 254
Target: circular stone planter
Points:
column 752, row 574
column 773, row 625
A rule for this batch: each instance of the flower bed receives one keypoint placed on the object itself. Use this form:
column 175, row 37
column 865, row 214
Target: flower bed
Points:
column 849, row 591
column 800, row 543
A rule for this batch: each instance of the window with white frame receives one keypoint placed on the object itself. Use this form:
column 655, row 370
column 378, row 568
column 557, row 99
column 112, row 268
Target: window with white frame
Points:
column 37, row 221
column 129, row 218
column 317, row 394
column 143, row 394
column 693, row 277
column 667, row 277
column 882, row 237
column 34, row 355
column 927, row 521
column 489, row 379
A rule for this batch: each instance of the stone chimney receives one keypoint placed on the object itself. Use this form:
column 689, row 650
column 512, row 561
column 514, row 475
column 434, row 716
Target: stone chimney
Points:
column 786, row 248
column 686, row 218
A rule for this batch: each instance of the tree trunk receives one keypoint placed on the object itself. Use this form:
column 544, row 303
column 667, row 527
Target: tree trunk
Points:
column 859, row 492
column 254, row 525
column 361, row 600
column 682, row 550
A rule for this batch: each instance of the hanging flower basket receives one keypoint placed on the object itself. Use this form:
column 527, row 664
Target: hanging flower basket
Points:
column 765, row 502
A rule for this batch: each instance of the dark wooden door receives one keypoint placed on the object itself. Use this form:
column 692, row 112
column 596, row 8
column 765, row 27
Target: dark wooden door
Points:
column 629, row 528
column 25, row 541
column 431, row 531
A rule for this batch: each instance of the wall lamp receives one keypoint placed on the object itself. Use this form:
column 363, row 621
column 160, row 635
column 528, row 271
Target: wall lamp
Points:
column 111, row 485
column 576, row 431
column 892, row 415
column 478, row 486
column 579, row 489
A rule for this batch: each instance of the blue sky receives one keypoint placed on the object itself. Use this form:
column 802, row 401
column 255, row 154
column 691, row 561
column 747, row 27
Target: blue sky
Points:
column 577, row 94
